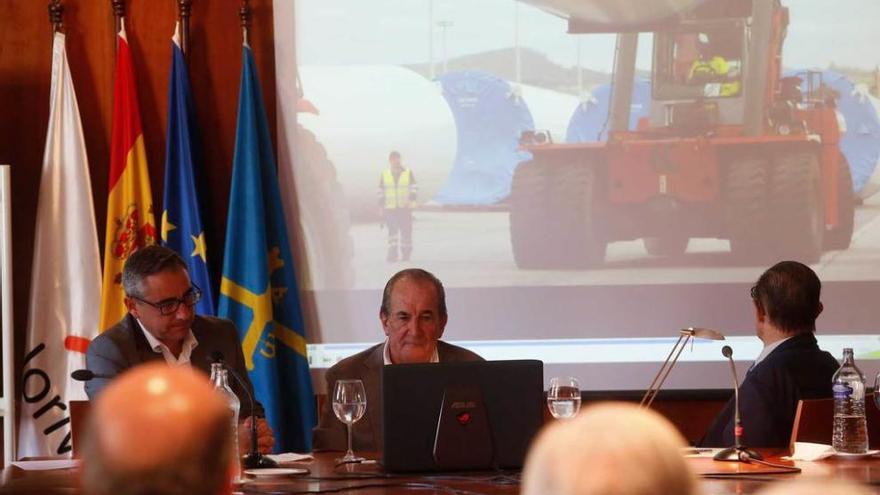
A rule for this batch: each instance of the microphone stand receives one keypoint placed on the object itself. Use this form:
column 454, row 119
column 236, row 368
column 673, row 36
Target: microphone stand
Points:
column 254, row 459
column 737, row 453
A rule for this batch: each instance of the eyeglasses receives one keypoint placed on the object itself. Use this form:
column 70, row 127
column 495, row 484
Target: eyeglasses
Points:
column 754, row 293
column 171, row 305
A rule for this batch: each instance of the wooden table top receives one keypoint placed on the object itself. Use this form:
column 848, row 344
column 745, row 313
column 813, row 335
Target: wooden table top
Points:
column 716, row 478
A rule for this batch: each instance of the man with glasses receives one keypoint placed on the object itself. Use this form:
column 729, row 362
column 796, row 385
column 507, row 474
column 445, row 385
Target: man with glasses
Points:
column 161, row 325
column 790, row 367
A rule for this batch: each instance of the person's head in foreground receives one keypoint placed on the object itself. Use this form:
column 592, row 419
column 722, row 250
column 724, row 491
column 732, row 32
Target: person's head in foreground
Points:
column 786, row 299
column 158, row 430
column 815, row 487
column 609, row 449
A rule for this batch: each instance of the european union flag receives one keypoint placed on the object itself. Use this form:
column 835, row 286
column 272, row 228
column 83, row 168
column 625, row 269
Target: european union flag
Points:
column 258, row 291
column 181, row 213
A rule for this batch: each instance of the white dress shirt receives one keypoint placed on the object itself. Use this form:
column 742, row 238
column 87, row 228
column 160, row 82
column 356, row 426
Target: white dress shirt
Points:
column 766, row 351
column 189, row 343
column 386, row 354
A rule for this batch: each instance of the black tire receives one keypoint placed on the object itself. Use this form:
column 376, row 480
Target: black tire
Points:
column 668, row 246
column 795, row 207
column 529, row 215
column 323, row 217
column 577, row 216
column 744, row 193
column 841, row 236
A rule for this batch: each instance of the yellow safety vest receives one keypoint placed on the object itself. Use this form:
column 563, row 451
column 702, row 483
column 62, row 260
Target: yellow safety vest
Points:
column 396, row 195
column 715, row 66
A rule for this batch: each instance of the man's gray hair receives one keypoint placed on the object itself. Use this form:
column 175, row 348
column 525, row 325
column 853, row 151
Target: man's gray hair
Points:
column 147, row 261
column 609, row 449
column 417, row 274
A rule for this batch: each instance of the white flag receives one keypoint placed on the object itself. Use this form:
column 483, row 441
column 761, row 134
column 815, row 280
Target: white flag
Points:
column 65, row 298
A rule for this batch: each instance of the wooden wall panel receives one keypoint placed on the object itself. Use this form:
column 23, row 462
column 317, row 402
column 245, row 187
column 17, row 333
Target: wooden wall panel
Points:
column 215, row 66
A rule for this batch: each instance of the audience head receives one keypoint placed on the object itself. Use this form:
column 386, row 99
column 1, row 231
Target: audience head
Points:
column 159, row 293
column 815, row 487
column 413, row 315
column 160, row 430
column 609, row 449
column 787, row 296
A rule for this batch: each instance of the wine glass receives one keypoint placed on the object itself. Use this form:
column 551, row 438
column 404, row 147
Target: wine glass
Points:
column 349, row 405
column 564, row 397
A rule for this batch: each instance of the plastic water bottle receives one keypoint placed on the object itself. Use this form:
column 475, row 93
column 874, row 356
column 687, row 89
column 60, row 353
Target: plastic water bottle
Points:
column 220, row 379
column 850, row 429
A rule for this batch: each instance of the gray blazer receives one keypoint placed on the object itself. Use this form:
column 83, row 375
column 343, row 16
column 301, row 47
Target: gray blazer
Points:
column 331, row 434
column 124, row 346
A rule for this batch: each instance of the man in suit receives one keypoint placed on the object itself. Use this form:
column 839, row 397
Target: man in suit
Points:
column 413, row 316
column 790, row 367
column 160, row 430
column 161, row 325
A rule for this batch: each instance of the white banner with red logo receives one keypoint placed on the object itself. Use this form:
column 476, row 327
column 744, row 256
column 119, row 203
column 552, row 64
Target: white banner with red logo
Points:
column 65, row 296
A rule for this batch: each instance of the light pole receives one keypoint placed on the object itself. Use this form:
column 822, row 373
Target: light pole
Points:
column 444, row 26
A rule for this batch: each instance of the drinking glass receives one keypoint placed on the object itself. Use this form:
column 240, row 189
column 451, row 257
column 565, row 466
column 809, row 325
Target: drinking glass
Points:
column 564, row 397
column 349, row 405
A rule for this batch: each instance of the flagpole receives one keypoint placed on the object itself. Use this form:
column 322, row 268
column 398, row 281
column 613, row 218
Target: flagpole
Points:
column 184, row 8
column 118, row 14
column 56, row 11
column 244, row 13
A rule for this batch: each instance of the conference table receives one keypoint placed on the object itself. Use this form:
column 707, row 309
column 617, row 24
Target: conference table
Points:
column 324, row 476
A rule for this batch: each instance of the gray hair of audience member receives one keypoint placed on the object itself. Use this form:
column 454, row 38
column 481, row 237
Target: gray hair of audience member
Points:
column 147, row 261
column 815, row 487
column 609, row 449
column 417, row 274
column 158, row 430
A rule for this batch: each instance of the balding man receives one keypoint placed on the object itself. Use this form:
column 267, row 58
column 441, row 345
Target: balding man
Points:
column 413, row 316
column 158, row 430
column 609, row 449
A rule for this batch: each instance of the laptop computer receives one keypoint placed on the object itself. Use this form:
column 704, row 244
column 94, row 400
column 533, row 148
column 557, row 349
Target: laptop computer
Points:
column 459, row 416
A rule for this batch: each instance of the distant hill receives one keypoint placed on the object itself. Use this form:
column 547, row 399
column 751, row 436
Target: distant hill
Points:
column 537, row 69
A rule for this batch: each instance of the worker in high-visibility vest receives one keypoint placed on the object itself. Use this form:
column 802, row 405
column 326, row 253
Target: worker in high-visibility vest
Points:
column 397, row 196
column 713, row 68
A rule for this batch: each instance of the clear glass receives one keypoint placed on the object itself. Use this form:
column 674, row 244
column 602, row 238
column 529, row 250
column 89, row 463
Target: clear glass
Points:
column 349, row 405
column 220, row 380
column 564, row 397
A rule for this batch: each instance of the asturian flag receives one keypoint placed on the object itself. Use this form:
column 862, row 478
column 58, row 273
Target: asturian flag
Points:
column 258, row 291
column 66, row 276
column 182, row 228
column 130, row 223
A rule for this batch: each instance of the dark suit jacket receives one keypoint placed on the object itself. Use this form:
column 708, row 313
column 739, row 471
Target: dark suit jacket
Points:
column 123, row 346
column 769, row 394
column 330, row 434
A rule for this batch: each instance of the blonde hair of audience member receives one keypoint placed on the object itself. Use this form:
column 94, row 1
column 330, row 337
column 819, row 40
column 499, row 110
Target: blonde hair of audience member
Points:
column 815, row 487
column 609, row 449
column 158, row 430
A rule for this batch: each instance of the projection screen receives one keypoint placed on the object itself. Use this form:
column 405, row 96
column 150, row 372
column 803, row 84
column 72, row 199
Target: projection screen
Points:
column 451, row 85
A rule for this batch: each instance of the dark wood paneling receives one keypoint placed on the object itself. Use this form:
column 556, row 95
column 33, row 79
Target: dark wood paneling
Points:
column 215, row 66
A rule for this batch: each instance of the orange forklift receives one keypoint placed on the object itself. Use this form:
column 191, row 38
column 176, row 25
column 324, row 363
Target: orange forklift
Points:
column 731, row 149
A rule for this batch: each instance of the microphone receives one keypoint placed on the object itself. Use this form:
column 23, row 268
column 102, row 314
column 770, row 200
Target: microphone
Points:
column 254, row 459
column 737, row 453
column 88, row 375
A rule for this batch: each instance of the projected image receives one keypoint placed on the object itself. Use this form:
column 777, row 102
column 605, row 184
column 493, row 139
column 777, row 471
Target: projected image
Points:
column 503, row 127
column 574, row 204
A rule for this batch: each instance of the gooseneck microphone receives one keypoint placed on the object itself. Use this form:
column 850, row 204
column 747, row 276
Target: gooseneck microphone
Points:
column 254, row 459
column 737, row 453
column 87, row 375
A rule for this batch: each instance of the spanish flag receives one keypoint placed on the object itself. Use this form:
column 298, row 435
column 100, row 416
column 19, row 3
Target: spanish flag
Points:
column 130, row 223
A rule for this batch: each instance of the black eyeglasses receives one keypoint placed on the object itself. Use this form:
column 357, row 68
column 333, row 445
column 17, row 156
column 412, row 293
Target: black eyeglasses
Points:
column 170, row 306
column 754, row 292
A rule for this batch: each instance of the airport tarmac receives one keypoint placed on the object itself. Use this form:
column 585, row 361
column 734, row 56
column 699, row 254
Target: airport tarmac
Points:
column 472, row 249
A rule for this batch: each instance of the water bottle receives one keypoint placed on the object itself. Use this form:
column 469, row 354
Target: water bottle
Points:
column 220, row 379
column 850, row 429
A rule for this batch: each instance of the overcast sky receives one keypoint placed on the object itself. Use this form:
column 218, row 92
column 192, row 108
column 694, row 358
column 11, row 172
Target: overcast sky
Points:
column 844, row 32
